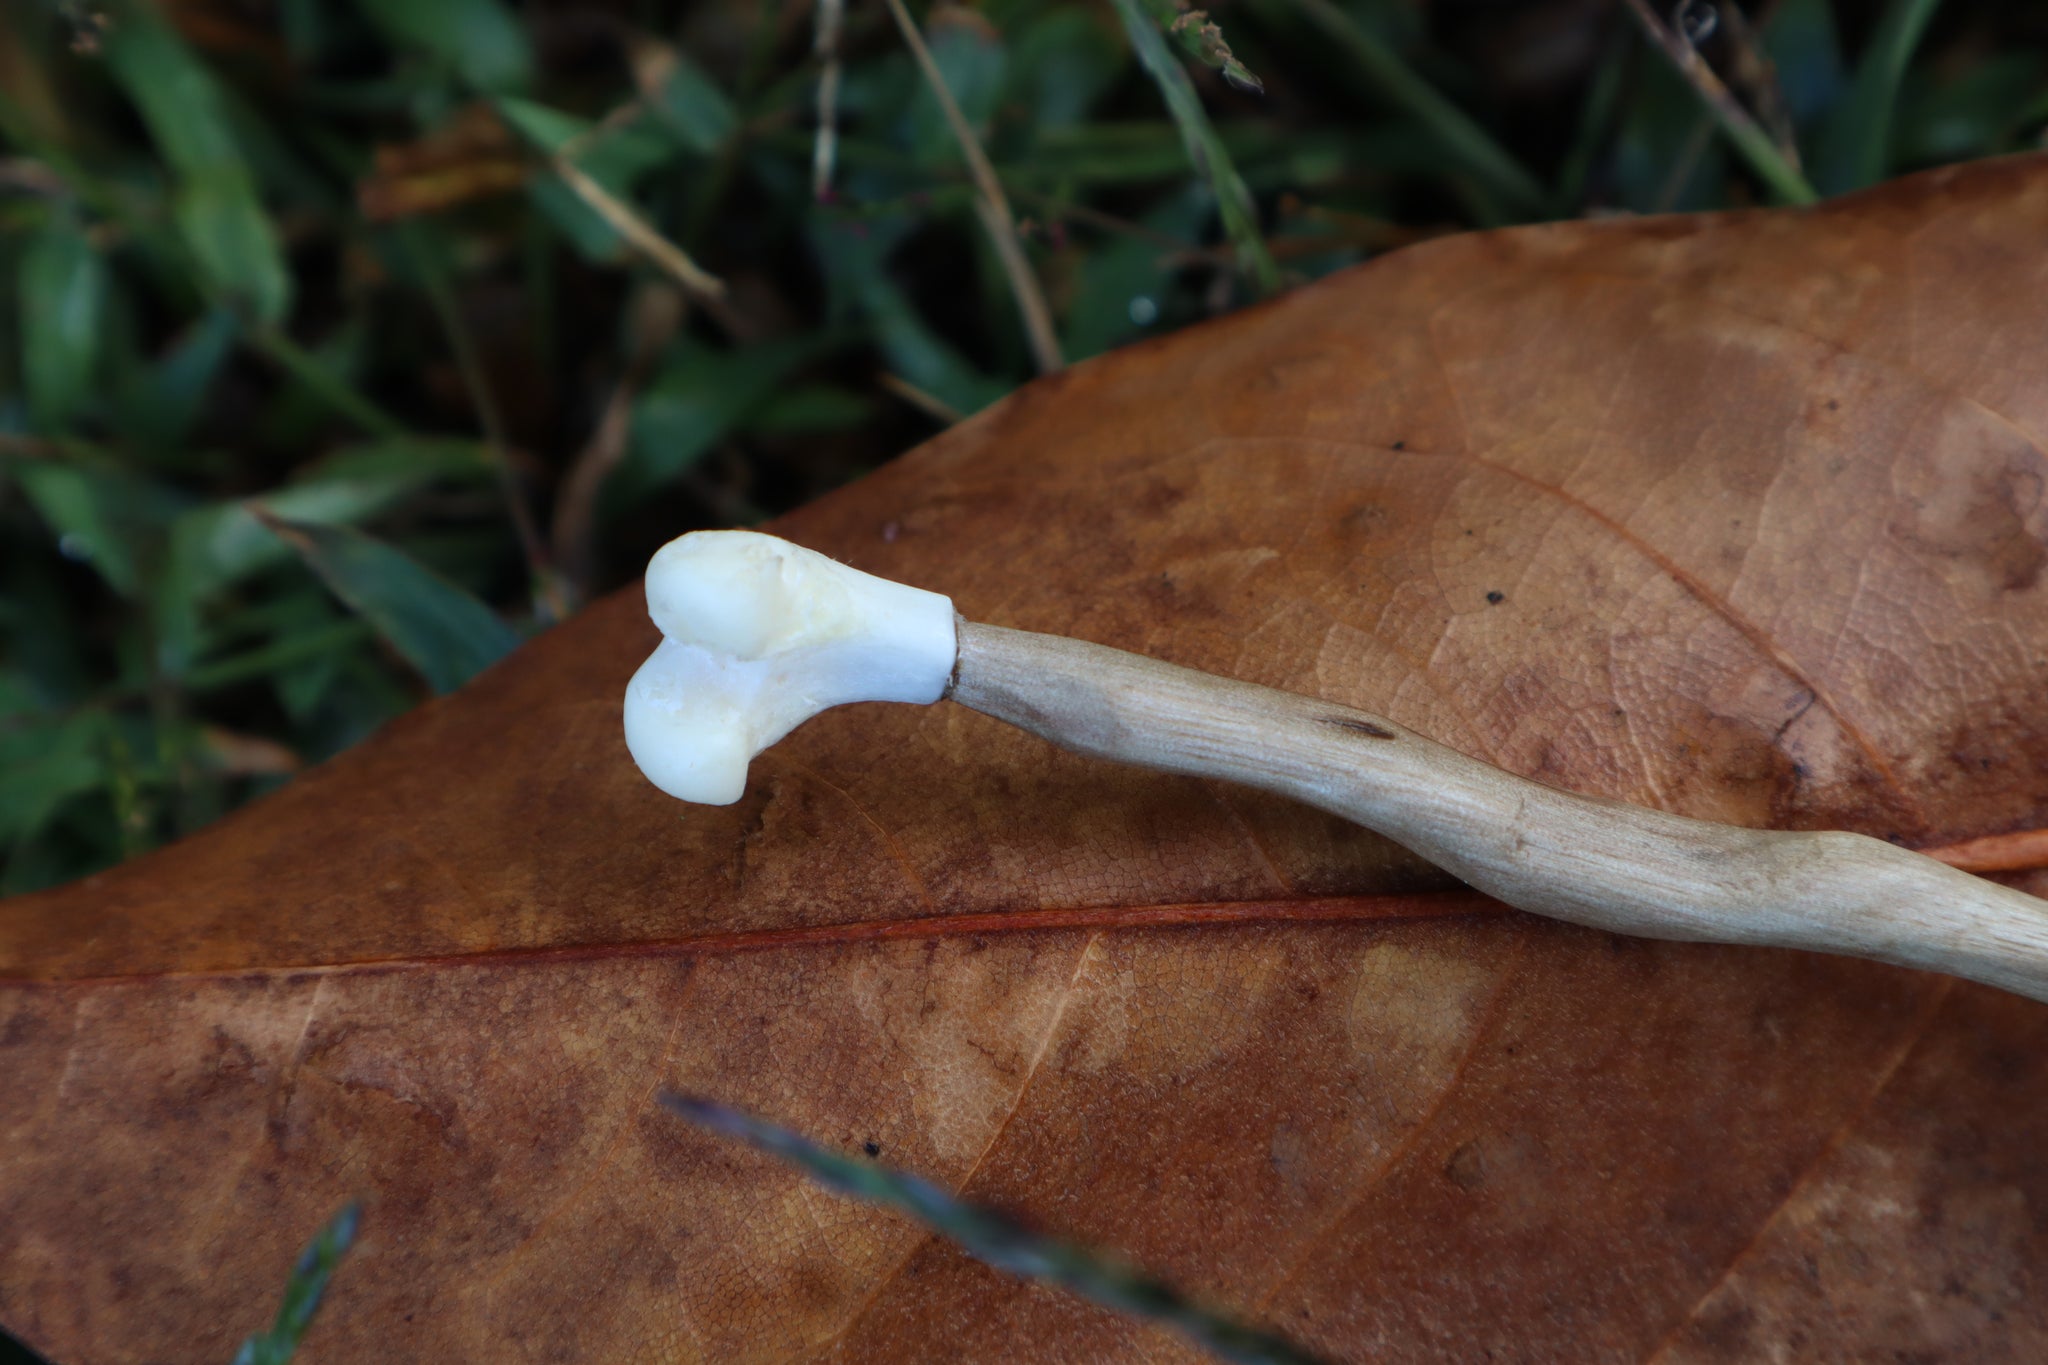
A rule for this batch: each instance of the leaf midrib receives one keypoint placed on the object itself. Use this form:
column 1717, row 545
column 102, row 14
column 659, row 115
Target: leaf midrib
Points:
column 913, row 928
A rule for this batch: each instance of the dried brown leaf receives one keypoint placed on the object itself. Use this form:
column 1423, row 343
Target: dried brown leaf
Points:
column 1740, row 515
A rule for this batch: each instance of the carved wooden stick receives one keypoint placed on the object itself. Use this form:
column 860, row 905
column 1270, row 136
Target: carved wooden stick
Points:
column 1586, row 859
column 762, row 634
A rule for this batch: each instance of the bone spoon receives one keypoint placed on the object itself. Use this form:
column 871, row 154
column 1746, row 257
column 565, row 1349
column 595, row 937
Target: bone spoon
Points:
column 761, row 634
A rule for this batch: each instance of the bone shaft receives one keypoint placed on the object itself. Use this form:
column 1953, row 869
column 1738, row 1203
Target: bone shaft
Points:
column 1585, row 859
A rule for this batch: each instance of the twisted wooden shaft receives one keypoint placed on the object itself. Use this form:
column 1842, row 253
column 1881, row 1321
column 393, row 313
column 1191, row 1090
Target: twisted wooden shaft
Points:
column 1586, row 859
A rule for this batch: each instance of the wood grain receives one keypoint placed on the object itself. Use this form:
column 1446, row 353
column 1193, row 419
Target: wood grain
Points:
column 1602, row 863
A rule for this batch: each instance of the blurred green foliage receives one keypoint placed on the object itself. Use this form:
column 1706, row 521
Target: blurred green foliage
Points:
column 342, row 345
column 302, row 1292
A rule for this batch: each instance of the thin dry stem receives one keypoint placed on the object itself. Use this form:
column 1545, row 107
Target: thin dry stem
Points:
column 1753, row 71
column 930, row 404
column 1757, row 146
column 825, row 48
column 657, row 315
column 548, row 594
column 623, row 117
column 991, row 204
column 1057, row 209
column 708, row 288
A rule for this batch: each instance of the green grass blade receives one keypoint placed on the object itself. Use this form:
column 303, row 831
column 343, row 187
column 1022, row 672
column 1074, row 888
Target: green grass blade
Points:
column 135, row 212
column 331, row 389
column 1233, row 201
column 1395, row 82
column 99, row 511
column 478, row 39
column 685, row 98
column 855, row 265
column 218, row 544
column 225, row 543
column 1763, row 157
column 970, row 58
column 694, row 402
column 314, row 643
column 63, row 286
column 1852, row 148
column 157, row 406
column 215, row 207
column 441, row 630
column 303, row 1292
column 1959, row 114
column 45, row 761
column 996, row 1239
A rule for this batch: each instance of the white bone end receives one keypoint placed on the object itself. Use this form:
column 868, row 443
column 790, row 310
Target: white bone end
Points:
column 759, row 635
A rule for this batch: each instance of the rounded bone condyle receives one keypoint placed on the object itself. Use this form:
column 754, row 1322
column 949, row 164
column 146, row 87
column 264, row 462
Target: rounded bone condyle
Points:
column 759, row 635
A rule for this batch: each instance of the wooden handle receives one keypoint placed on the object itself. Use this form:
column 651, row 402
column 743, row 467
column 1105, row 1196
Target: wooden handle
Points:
column 1586, row 859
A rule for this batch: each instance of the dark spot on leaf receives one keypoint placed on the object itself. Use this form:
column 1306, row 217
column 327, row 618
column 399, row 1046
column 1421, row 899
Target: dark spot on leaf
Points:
column 872, row 1148
column 1466, row 1169
column 1496, row 598
column 1358, row 726
column 23, row 1028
